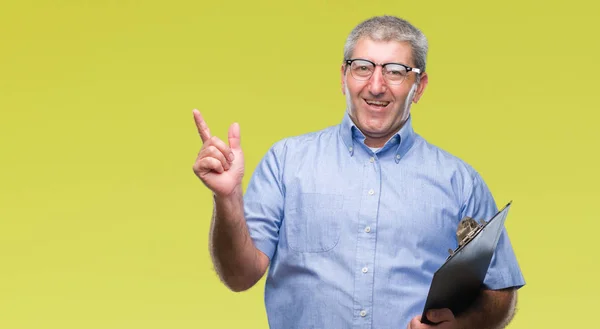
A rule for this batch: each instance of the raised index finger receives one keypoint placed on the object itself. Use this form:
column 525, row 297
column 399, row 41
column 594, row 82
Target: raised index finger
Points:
column 201, row 125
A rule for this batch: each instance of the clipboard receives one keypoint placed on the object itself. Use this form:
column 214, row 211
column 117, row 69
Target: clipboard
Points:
column 457, row 283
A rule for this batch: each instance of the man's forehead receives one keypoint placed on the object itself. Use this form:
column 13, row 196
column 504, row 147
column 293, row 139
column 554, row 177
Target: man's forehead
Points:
column 383, row 51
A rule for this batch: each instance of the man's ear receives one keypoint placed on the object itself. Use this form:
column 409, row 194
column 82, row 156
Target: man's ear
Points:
column 343, row 79
column 421, row 87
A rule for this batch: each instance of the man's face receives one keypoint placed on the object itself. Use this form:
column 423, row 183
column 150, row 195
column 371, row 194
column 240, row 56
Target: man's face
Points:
column 377, row 107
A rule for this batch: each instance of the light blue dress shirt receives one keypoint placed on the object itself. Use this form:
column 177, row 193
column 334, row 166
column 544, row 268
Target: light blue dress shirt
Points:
column 354, row 237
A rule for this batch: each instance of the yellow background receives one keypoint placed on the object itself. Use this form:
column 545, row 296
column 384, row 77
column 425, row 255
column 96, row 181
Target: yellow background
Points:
column 104, row 225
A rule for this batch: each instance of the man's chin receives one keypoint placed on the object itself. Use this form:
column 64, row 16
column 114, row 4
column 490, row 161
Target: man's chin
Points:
column 371, row 124
column 375, row 126
column 374, row 131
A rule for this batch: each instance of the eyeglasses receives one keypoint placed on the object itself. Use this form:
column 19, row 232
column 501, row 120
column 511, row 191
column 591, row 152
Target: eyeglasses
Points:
column 393, row 73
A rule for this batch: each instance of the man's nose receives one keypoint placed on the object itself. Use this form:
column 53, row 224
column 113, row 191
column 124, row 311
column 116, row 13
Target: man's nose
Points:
column 377, row 83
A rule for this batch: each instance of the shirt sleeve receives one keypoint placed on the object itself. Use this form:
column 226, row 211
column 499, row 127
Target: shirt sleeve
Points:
column 264, row 201
column 504, row 270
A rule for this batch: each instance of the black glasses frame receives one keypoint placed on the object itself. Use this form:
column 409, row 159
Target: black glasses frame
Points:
column 408, row 68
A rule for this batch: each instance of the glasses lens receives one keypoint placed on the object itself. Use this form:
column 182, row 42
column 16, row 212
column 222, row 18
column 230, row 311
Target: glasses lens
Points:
column 362, row 70
column 395, row 73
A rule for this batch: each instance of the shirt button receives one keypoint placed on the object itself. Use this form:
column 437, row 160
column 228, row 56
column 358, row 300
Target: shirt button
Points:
column 372, row 159
column 365, row 270
column 371, row 192
column 367, row 229
column 350, row 149
column 397, row 156
column 363, row 313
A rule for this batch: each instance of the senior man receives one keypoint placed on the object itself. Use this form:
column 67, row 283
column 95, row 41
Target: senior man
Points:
column 353, row 220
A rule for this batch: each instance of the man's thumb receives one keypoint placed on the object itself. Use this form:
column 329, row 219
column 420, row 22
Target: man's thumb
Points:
column 440, row 315
column 234, row 136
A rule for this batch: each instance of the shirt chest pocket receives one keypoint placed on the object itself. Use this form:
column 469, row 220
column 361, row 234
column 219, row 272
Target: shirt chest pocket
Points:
column 312, row 221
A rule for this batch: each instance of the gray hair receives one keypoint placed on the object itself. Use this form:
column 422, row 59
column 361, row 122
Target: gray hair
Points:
column 390, row 28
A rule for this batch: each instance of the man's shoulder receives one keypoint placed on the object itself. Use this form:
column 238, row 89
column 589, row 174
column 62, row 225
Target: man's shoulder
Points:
column 448, row 168
column 307, row 140
column 444, row 158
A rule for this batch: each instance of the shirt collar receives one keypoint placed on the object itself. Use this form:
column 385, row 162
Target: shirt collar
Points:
column 401, row 141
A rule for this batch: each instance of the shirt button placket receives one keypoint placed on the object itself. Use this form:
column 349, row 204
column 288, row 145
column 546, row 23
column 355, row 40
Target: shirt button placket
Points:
column 366, row 241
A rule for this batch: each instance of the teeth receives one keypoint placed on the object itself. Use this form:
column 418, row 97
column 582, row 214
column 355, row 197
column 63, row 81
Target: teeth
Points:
column 378, row 103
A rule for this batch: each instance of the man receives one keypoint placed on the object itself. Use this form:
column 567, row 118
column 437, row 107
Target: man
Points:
column 353, row 220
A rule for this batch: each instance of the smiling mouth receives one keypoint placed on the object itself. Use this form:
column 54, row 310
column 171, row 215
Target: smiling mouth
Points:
column 377, row 104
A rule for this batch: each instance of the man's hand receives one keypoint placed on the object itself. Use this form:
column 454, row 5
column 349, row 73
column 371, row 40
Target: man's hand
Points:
column 443, row 319
column 493, row 309
column 218, row 165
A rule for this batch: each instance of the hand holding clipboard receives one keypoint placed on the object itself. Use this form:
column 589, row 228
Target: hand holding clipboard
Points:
column 457, row 283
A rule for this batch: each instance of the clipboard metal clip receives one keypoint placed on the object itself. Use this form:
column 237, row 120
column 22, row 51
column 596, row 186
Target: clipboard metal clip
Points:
column 466, row 231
